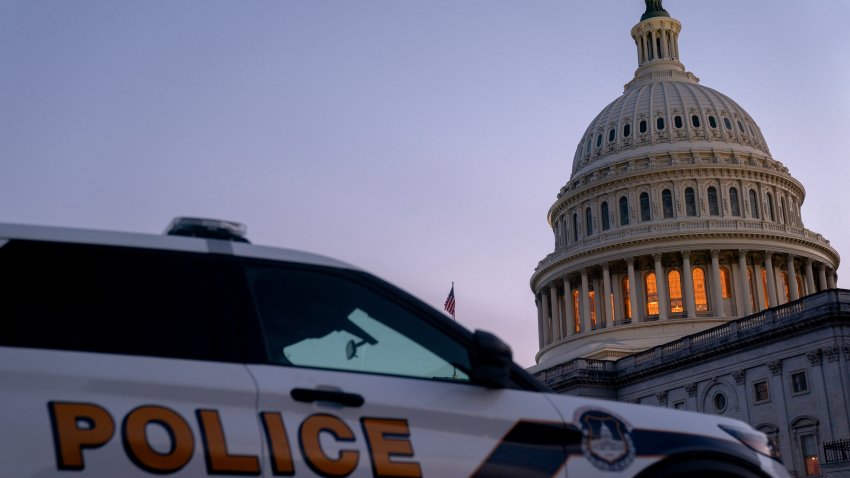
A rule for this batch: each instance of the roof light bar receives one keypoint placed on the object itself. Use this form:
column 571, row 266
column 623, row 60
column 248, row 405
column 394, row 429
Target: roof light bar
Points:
column 207, row 228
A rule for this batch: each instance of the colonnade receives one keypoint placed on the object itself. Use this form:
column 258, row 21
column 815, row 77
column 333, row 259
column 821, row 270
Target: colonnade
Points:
column 674, row 285
column 649, row 42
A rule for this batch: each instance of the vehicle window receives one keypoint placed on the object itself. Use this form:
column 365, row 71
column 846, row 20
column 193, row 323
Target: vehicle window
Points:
column 321, row 318
column 116, row 300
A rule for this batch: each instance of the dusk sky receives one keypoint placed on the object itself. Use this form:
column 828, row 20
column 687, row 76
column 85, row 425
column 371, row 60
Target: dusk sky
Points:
column 423, row 141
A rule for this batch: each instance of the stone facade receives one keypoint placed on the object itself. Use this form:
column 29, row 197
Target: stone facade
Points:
column 785, row 370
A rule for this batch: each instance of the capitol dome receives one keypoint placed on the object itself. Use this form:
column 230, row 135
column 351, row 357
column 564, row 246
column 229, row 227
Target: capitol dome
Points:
column 666, row 115
column 676, row 217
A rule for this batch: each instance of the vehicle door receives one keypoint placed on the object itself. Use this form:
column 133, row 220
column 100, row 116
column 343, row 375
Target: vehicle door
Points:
column 122, row 362
column 363, row 381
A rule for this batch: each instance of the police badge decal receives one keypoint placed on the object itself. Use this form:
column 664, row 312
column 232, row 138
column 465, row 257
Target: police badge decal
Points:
column 606, row 439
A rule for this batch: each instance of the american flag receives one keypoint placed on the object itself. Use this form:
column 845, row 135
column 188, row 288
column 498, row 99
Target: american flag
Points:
column 450, row 302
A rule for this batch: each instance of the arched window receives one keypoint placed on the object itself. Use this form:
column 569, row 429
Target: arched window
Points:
column 598, row 140
column 606, row 221
column 642, row 126
column 611, row 135
column 651, row 294
column 677, row 121
column 695, row 121
column 725, row 285
column 575, row 227
column 765, row 289
column 624, row 211
column 627, row 130
column 588, row 222
column 811, row 456
column 727, row 123
column 627, row 299
column 770, row 213
column 575, row 311
column 659, row 123
column 805, row 429
column 754, row 204
column 712, row 122
column 700, row 294
column 713, row 207
column 667, row 203
column 644, row 207
column 733, row 202
column 690, row 202
column 589, row 142
column 591, row 299
column 674, row 285
column 740, row 126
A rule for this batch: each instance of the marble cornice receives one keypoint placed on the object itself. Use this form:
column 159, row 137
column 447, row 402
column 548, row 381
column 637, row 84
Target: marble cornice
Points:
column 657, row 23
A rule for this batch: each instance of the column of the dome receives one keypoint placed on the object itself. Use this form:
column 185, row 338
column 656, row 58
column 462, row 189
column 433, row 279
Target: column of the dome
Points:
column 781, row 296
column 564, row 230
column 771, row 279
column 716, row 291
column 661, row 287
column 671, row 35
column 652, row 45
column 637, row 315
column 556, row 231
column 745, row 307
column 664, row 52
column 617, row 295
column 596, row 307
column 810, row 277
column 540, row 326
column 792, row 277
column 757, row 272
column 668, row 35
column 608, row 317
column 822, row 276
column 690, row 301
column 831, row 280
column 556, row 316
column 568, row 307
column 584, row 303
column 639, row 51
column 547, row 336
column 676, row 45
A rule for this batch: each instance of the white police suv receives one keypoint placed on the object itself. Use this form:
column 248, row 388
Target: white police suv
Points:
column 126, row 355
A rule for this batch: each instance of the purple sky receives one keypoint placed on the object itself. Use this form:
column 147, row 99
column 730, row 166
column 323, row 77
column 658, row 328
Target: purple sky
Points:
column 421, row 140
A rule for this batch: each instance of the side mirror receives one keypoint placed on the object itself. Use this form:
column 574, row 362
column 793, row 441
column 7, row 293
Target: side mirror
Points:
column 491, row 360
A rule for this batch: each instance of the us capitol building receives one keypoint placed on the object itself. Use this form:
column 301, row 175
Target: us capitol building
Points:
column 682, row 274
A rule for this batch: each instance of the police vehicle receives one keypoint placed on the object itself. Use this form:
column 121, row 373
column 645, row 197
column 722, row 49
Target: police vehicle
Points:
column 195, row 353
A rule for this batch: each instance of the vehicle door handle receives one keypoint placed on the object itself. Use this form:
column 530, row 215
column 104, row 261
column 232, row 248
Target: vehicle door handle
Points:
column 313, row 395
